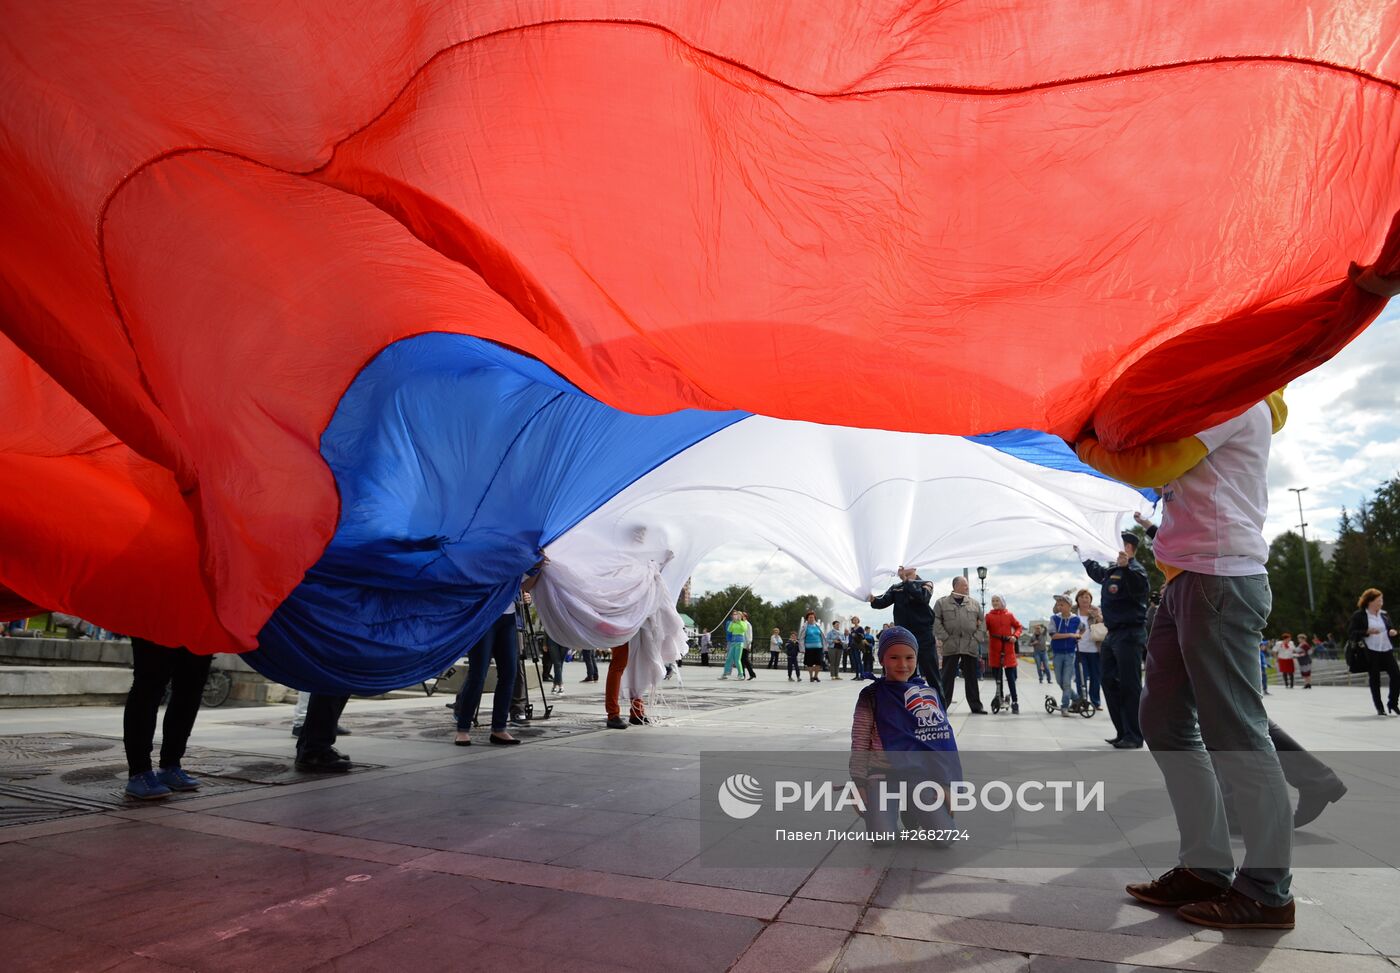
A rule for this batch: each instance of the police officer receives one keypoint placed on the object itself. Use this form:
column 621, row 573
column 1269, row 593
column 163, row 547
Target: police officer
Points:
column 1123, row 600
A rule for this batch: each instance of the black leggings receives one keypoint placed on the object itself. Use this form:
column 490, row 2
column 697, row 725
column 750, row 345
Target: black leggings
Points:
column 153, row 667
column 1010, row 673
column 1377, row 663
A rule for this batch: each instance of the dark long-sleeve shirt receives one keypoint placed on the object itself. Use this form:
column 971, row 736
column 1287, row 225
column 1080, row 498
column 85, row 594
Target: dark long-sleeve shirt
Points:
column 913, row 604
column 1123, row 597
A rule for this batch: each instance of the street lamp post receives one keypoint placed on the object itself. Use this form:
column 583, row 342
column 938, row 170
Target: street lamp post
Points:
column 982, row 585
column 1307, row 560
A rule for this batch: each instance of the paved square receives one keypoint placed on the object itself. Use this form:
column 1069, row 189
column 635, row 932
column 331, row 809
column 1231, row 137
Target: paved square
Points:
column 578, row 851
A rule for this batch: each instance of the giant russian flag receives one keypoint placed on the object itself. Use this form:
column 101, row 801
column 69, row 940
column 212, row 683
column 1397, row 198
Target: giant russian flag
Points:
column 322, row 319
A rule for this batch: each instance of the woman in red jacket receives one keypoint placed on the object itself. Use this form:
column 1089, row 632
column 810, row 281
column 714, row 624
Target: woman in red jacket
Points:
column 1003, row 632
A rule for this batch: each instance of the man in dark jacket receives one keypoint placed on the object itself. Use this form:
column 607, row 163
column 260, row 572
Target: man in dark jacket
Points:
column 912, row 599
column 1123, row 600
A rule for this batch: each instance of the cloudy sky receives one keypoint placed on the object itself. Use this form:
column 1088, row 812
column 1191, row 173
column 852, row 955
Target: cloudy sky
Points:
column 1342, row 440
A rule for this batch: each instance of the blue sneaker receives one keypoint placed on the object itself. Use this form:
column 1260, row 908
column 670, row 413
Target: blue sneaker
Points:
column 177, row 780
column 146, row 787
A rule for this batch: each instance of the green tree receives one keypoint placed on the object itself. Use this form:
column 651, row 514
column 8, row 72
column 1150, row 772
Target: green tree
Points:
column 1148, row 560
column 1347, row 574
column 1367, row 555
column 711, row 612
column 1288, row 579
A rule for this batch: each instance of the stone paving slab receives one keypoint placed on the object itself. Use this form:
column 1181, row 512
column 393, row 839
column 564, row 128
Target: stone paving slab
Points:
column 884, row 953
column 1092, row 910
column 582, row 852
column 787, row 948
column 1182, row 952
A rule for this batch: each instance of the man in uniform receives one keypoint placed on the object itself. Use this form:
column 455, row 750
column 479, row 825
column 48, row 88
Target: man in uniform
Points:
column 1123, row 601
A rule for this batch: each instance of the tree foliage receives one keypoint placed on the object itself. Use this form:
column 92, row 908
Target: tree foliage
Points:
column 1148, row 560
column 1288, row 578
column 711, row 610
column 1367, row 555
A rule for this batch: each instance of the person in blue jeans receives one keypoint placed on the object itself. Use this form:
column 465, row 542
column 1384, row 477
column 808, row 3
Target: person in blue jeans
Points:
column 502, row 643
column 794, row 671
column 1065, row 628
column 1090, row 671
column 856, row 638
column 590, row 665
column 1040, row 643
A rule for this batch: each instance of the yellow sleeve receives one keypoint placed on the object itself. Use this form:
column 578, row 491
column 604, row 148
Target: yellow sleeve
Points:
column 1143, row 466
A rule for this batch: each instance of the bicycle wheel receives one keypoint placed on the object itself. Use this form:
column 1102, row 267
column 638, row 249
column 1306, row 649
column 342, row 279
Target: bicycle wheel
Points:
column 217, row 688
column 1087, row 712
column 1050, row 705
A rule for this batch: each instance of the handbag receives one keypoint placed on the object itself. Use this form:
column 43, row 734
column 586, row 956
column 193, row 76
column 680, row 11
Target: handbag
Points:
column 1356, row 656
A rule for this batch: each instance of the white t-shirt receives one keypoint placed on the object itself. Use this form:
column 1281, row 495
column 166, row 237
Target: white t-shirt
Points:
column 1213, row 514
column 1285, row 649
column 1380, row 642
column 1086, row 637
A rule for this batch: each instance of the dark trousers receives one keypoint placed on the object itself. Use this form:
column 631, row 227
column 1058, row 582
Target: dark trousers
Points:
column 322, row 717
column 793, row 668
column 867, row 655
column 556, row 661
column 1010, row 674
column 1377, row 663
column 1302, row 770
column 590, row 665
column 498, row 643
column 968, row 664
column 520, row 695
column 928, row 659
column 1121, row 659
column 746, row 663
column 1091, row 666
column 772, row 658
column 153, row 667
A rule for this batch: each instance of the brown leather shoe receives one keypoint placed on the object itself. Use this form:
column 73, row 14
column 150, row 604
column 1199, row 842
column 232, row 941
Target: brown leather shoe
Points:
column 1235, row 910
column 1178, row 887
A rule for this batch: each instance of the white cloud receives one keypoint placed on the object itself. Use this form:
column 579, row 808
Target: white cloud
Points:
column 1342, row 439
